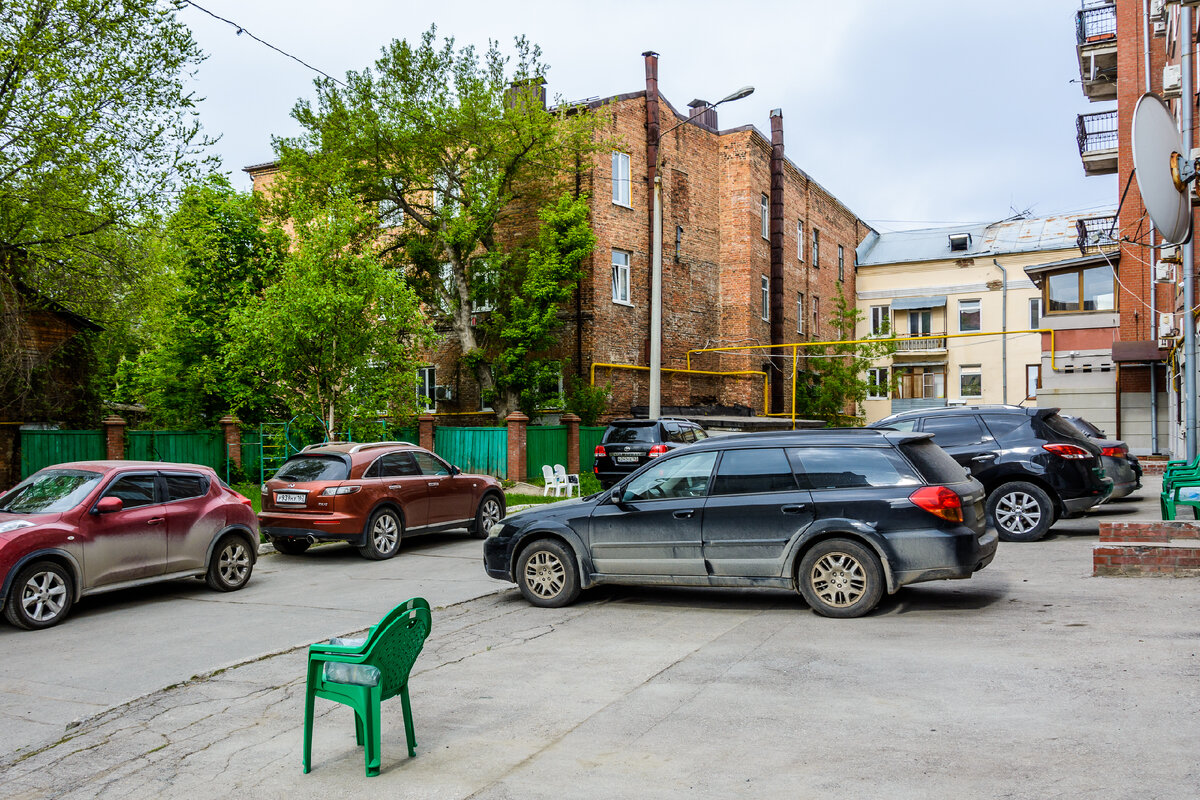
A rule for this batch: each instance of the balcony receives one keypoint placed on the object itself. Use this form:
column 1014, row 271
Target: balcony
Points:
column 927, row 344
column 1097, row 138
column 1096, row 38
column 1094, row 234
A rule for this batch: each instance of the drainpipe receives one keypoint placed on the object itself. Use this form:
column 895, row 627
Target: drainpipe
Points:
column 1188, row 266
column 1003, row 331
column 775, row 281
column 1153, row 286
column 655, row 186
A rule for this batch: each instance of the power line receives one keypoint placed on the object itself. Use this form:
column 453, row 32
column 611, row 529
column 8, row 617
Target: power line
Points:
column 241, row 29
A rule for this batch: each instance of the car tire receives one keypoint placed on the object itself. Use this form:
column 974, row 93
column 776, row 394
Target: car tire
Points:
column 384, row 532
column 290, row 546
column 547, row 574
column 490, row 511
column 40, row 597
column 840, row 578
column 231, row 564
column 1020, row 512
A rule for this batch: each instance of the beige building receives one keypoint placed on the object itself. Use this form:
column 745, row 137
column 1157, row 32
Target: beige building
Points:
column 964, row 310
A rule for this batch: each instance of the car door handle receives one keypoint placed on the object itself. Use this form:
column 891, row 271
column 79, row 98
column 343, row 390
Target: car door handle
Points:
column 985, row 457
column 396, row 486
column 156, row 520
column 793, row 508
column 432, row 483
column 686, row 513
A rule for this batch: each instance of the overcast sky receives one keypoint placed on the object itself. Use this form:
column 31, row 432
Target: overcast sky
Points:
column 913, row 113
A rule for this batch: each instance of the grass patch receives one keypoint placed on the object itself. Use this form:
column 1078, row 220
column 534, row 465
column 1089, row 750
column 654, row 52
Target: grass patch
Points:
column 251, row 491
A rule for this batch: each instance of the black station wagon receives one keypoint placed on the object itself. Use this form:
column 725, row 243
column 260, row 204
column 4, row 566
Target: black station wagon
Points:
column 840, row 515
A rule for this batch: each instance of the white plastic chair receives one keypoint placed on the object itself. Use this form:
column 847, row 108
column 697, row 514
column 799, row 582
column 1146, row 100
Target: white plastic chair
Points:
column 564, row 480
column 551, row 481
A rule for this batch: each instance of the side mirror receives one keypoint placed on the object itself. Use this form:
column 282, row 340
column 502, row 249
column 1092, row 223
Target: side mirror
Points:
column 615, row 495
column 108, row 505
column 455, row 470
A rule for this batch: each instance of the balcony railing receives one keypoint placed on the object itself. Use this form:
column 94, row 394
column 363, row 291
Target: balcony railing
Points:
column 1096, row 131
column 928, row 341
column 1095, row 233
column 1096, row 22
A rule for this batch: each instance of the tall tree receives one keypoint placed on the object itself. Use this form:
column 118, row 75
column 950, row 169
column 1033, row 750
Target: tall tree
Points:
column 458, row 152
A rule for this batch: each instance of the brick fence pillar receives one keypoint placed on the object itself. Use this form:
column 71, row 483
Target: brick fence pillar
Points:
column 572, row 423
column 425, row 431
column 231, row 428
column 114, row 437
column 516, row 422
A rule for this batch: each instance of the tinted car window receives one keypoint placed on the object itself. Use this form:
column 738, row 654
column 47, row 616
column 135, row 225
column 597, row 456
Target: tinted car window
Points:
column 1005, row 426
column 934, row 463
column 399, row 465
column 626, row 434
column 850, row 467
column 900, row 424
column 954, row 430
column 1060, row 426
column 430, row 465
column 760, row 470
column 1085, row 426
column 134, row 490
column 49, row 491
column 181, row 487
column 313, row 468
column 699, row 434
column 685, row 476
column 676, row 434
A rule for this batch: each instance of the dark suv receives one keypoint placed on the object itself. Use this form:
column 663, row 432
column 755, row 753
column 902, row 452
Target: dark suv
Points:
column 840, row 515
column 630, row 443
column 1035, row 466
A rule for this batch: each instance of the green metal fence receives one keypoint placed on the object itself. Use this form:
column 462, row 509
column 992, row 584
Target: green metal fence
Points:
column 544, row 444
column 589, row 437
column 44, row 448
column 179, row 447
column 480, row 450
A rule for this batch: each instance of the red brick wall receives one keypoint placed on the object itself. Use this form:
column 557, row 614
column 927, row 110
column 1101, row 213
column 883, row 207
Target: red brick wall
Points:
column 1135, row 549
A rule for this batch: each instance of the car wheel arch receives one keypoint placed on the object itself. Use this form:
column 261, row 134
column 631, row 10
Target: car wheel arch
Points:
column 238, row 530
column 386, row 504
column 840, row 529
column 55, row 556
column 568, row 540
column 1014, row 477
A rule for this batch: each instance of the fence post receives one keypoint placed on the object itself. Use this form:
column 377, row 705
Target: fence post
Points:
column 572, row 423
column 425, row 431
column 230, row 425
column 516, row 422
column 114, row 437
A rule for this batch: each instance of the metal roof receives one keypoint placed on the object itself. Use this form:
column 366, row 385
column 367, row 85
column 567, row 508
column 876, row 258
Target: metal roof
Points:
column 1035, row 234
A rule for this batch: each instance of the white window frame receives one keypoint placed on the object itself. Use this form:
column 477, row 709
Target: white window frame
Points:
column 765, row 203
column 1035, row 312
column 766, row 298
column 964, row 306
column 841, row 263
column 816, row 248
column 968, row 370
column 880, row 318
column 391, row 214
column 800, row 312
column 426, row 381
column 621, row 184
column 799, row 240
column 877, row 383
column 816, row 312
column 620, row 277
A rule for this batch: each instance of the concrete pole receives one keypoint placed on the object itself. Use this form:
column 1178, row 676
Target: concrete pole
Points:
column 656, row 305
column 1189, row 265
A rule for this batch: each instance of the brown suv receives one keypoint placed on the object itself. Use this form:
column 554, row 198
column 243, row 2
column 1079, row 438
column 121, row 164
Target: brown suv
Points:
column 370, row 495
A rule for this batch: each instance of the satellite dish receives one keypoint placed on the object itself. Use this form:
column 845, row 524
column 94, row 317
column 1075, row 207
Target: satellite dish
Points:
column 1162, row 172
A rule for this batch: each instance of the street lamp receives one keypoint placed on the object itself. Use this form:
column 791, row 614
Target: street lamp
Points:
column 656, row 258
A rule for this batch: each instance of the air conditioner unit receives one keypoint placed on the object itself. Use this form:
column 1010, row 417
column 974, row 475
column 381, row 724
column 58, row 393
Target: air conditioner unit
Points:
column 1169, row 254
column 443, row 393
column 1166, row 326
column 1172, row 83
column 1164, row 272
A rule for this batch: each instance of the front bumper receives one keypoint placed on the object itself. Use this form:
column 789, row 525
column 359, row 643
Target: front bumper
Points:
column 495, row 558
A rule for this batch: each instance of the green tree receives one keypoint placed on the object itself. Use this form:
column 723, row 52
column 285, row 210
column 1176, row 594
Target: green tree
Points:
column 832, row 383
column 337, row 335
column 217, row 254
column 458, row 152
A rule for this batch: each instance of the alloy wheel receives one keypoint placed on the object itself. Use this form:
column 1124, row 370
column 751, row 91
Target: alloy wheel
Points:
column 43, row 596
column 545, row 574
column 1018, row 512
column 490, row 513
column 839, row 579
column 386, row 533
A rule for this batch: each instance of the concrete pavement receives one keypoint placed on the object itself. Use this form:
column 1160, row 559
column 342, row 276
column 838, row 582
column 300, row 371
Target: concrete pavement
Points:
column 1031, row 680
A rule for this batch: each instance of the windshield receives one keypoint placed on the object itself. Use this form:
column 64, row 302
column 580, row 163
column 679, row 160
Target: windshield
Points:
column 50, row 491
column 313, row 468
column 627, row 434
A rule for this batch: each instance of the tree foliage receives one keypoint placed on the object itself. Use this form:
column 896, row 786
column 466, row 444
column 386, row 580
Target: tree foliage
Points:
column 458, row 152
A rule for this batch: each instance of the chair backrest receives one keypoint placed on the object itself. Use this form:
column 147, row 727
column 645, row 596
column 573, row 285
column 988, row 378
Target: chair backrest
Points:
column 396, row 642
column 547, row 473
column 560, row 472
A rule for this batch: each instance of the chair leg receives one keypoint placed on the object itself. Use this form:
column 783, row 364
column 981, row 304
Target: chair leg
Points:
column 408, row 722
column 358, row 728
column 371, row 724
column 309, row 702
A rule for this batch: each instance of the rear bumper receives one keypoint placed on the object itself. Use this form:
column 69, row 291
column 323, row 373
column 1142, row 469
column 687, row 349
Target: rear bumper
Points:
column 325, row 527
column 939, row 555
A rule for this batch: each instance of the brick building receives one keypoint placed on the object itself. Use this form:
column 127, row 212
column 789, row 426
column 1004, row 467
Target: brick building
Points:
column 754, row 253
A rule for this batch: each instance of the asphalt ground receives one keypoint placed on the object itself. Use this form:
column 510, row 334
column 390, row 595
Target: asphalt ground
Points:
column 1031, row 680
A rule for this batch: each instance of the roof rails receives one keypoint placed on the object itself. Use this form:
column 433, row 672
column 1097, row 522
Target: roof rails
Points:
column 368, row 445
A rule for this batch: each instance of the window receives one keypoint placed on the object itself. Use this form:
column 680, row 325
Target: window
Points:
column 816, row 312
column 683, row 476
column 620, row 277
column 766, row 298
column 970, row 381
column 425, row 384
column 877, row 383
column 816, row 249
column 921, row 383
column 181, row 487
column 395, row 465
column 841, row 263
column 134, row 490
column 1085, row 289
column 951, row 431
column 920, row 323
column 1007, row 426
column 879, row 320
column 765, row 203
column 1033, row 380
column 1035, row 312
column 391, row 215
column 428, row 464
column 850, row 467
column 620, row 179
column 968, row 316
column 800, row 239
column 759, row 470
column 799, row 312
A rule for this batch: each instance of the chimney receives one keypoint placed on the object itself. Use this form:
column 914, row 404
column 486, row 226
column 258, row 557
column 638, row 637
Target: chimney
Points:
column 652, row 134
column 706, row 119
column 530, row 90
column 776, row 281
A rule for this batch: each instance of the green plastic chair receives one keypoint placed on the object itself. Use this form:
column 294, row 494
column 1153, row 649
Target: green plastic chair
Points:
column 363, row 673
column 1179, row 475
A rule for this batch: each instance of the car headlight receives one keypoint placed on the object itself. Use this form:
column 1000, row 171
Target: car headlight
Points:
column 495, row 528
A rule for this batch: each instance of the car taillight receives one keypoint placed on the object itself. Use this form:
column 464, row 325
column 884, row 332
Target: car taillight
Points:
column 599, row 451
column 939, row 501
column 1119, row 451
column 658, row 450
column 330, row 491
column 1069, row 451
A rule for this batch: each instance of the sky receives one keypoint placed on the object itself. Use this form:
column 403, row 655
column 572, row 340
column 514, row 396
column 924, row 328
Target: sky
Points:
column 915, row 113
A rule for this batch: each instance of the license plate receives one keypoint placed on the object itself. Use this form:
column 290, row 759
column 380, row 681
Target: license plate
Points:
column 625, row 459
column 284, row 497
